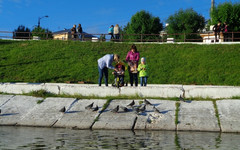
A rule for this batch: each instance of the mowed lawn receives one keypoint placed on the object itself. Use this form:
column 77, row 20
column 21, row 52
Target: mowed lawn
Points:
column 61, row 61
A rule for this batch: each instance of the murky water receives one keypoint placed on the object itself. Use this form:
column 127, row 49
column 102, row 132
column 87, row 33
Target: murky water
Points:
column 56, row 138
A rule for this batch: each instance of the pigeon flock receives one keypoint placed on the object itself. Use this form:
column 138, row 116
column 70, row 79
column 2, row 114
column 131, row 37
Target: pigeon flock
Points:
column 138, row 109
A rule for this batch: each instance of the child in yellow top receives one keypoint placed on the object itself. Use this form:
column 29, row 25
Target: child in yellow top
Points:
column 143, row 68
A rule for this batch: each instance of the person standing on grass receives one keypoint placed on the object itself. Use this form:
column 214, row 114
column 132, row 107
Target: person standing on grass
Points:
column 143, row 69
column 132, row 58
column 103, row 64
column 79, row 30
column 217, row 29
column 116, row 31
column 73, row 32
column 110, row 31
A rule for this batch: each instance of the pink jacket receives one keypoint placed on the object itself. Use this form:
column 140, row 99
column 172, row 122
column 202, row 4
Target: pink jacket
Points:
column 132, row 56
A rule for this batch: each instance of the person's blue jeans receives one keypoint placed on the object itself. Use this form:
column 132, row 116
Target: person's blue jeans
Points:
column 143, row 81
column 101, row 72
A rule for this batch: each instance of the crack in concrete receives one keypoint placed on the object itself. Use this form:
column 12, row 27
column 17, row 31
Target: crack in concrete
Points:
column 7, row 100
column 134, row 123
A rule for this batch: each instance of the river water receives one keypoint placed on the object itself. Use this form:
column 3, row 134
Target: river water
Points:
column 59, row 138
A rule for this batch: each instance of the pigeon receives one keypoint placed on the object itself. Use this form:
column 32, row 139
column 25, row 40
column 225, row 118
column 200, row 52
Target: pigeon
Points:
column 115, row 110
column 156, row 110
column 89, row 106
column 62, row 110
column 124, row 109
column 142, row 108
column 96, row 108
column 147, row 102
column 131, row 104
column 181, row 98
column 136, row 109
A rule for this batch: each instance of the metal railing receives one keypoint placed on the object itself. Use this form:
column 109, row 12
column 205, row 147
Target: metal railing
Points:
column 178, row 37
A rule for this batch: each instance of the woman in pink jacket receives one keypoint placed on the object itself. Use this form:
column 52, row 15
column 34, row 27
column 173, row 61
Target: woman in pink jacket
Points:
column 132, row 58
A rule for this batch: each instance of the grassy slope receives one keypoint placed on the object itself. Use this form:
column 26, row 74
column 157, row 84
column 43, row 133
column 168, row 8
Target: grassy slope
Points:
column 60, row 61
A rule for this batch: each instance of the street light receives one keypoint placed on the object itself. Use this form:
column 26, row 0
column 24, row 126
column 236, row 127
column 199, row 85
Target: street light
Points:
column 39, row 18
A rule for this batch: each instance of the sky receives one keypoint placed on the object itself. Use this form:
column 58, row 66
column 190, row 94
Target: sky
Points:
column 95, row 15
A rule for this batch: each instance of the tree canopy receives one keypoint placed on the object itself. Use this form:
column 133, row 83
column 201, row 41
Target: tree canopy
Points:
column 185, row 21
column 229, row 13
column 22, row 32
column 42, row 33
column 143, row 23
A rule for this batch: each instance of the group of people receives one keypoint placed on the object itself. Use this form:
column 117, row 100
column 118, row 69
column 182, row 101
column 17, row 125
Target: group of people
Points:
column 76, row 32
column 114, row 31
column 218, row 28
column 134, row 69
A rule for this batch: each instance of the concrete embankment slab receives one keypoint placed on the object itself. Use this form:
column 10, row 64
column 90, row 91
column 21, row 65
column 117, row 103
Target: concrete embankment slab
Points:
column 153, row 91
column 86, row 90
column 197, row 116
column 211, row 91
column 165, row 120
column 16, row 108
column 79, row 117
column 229, row 115
column 120, row 120
column 20, row 88
column 46, row 113
column 4, row 99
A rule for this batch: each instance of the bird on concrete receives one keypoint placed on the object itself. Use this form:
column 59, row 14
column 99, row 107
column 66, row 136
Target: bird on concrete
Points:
column 136, row 110
column 115, row 110
column 142, row 108
column 95, row 108
column 89, row 106
column 125, row 109
column 181, row 98
column 147, row 102
column 131, row 104
column 62, row 109
column 156, row 110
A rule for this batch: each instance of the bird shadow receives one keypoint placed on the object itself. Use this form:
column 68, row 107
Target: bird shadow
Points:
column 188, row 101
column 165, row 111
column 70, row 112
column 142, row 114
column 9, row 114
column 156, row 104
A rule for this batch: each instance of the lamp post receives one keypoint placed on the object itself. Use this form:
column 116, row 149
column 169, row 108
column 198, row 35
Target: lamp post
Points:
column 39, row 18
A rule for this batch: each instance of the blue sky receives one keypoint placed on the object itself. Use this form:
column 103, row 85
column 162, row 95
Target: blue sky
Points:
column 94, row 15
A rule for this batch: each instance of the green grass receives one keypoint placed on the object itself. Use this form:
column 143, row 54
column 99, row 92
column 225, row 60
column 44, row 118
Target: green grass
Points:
column 61, row 61
column 217, row 113
column 176, row 112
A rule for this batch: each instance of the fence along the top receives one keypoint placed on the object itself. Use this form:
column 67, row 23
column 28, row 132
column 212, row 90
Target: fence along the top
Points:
column 178, row 37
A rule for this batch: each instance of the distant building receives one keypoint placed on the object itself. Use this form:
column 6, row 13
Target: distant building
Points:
column 66, row 35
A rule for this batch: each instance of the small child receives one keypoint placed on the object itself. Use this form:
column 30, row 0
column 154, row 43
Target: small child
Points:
column 119, row 72
column 142, row 68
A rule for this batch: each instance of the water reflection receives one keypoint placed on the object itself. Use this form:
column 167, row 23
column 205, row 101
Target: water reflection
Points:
column 56, row 138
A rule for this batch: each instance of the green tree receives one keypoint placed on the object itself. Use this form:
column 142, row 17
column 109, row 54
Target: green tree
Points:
column 42, row 33
column 229, row 13
column 142, row 23
column 185, row 21
column 22, row 32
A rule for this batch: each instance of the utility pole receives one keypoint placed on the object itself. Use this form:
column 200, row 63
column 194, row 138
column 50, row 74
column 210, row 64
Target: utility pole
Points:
column 212, row 6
